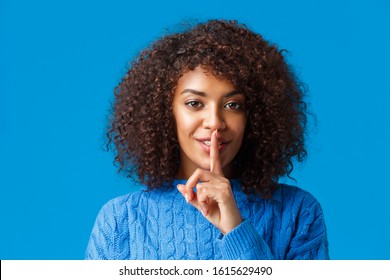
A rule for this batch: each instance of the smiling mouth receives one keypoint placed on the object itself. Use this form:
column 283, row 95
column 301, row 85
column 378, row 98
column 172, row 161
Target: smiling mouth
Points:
column 208, row 143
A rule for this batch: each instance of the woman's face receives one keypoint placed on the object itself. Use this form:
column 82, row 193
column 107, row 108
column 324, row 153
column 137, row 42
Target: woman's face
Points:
column 203, row 103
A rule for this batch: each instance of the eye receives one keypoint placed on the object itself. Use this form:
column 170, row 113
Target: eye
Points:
column 194, row 104
column 234, row 106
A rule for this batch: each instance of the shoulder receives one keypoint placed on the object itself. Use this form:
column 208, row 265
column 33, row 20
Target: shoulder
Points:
column 119, row 205
column 293, row 195
column 137, row 201
column 298, row 202
column 114, row 216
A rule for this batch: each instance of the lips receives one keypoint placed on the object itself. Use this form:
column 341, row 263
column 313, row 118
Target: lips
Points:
column 206, row 143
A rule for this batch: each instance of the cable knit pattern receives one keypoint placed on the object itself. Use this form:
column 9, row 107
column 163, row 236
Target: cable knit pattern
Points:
column 159, row 224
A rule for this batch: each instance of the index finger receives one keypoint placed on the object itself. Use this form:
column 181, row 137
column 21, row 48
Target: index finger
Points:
column 215, row 162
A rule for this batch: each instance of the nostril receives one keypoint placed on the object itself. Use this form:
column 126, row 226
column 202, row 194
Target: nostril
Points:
column 214, row 122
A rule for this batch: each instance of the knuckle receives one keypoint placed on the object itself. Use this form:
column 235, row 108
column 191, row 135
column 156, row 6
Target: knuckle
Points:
column 225, row 194
column 226, row 181
column 198, row 171
column 201, row 188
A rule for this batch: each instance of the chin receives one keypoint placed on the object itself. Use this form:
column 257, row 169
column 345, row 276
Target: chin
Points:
column 205, row 166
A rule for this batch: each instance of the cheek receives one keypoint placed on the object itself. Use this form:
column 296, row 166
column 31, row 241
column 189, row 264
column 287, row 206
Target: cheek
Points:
column 238, row 125
column 186, row 123
column 242, row 129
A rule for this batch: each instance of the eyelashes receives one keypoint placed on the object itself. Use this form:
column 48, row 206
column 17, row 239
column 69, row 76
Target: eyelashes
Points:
column 231, row 105
column 194, row 104
column 238, row 106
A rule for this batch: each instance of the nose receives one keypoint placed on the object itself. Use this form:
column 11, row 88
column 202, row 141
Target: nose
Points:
column 214, row 119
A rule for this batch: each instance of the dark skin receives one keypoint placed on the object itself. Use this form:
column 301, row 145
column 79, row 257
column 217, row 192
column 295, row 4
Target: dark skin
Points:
column 210, row 117
column 213, row 196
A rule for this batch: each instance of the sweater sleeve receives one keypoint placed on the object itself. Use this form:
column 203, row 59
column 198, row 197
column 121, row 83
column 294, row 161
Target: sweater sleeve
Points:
column 299, row 232
column 244, row 243
column 101, row 241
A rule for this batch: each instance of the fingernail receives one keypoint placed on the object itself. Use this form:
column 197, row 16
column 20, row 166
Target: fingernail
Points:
column 186, row 197
column 204, row 213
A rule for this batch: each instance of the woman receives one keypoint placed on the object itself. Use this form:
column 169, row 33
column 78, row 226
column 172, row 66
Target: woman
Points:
column 208, row 120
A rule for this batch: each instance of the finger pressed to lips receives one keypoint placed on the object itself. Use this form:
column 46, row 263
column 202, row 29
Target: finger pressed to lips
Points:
column 200, row 178
column 215, row 163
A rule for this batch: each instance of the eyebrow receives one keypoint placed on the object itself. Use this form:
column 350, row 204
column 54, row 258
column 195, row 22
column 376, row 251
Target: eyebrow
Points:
column 203, row 94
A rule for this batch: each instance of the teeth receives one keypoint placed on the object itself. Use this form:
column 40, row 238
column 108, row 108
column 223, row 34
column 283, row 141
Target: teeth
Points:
column 208, row 143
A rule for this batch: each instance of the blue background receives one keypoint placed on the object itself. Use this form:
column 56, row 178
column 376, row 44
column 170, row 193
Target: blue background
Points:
column 59, row 63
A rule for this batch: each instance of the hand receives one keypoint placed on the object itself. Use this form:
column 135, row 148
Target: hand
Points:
column 213, row 196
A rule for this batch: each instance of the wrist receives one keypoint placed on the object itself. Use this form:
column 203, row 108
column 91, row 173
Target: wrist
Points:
column 233, row 223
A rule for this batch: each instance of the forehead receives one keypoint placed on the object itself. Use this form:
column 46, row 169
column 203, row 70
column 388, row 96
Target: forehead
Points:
column 203, row 80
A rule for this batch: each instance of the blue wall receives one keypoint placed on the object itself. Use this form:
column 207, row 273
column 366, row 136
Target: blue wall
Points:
column 59, row 63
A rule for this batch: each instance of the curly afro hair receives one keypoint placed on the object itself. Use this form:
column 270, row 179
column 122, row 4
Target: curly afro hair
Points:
column 142, row 125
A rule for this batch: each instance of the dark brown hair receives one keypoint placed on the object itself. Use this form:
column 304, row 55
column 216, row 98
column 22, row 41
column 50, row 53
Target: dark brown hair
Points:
column 142, row 125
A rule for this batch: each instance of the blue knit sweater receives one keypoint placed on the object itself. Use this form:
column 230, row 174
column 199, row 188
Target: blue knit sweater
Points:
column 159, row 224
